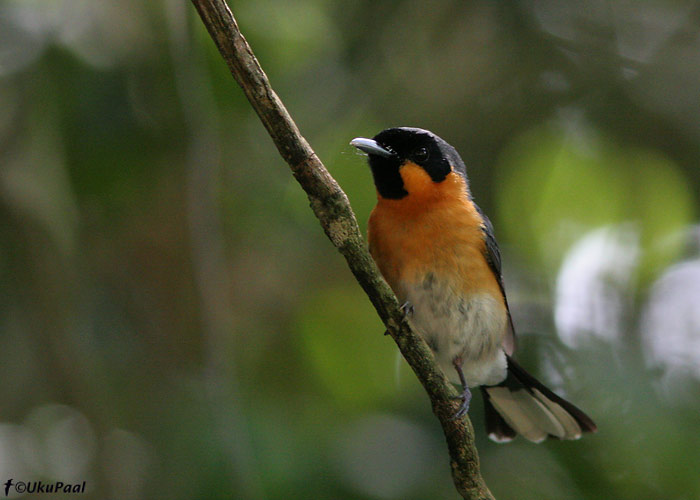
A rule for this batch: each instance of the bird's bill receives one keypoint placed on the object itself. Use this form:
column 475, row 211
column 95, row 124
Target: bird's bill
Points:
column 370, row 147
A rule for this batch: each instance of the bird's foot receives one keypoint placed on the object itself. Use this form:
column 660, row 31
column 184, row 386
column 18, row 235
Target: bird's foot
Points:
column 466, row 395
column 407, row 309
column 466, row 398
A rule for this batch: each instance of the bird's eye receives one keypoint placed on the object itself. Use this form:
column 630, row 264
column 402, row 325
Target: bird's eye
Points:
column 421, row 154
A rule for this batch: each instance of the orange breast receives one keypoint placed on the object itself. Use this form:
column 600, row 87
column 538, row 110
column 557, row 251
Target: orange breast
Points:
column 434, row 229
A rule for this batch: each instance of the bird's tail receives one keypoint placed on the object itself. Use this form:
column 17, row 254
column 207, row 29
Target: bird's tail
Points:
column 522, row 405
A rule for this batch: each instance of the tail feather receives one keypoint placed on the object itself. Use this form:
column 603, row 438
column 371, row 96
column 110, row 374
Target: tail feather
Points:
column 523, row 405
column 496, row 427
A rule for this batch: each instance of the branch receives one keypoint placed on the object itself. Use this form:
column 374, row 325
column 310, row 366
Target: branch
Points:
column 332, row 208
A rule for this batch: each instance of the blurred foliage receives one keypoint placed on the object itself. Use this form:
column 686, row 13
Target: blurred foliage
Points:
column 560, row 186
column 174, row 323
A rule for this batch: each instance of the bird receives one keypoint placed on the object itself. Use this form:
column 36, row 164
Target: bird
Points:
column 437, row 251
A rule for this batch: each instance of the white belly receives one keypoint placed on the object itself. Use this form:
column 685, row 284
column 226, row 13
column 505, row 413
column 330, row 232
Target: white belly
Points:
column 471, row 327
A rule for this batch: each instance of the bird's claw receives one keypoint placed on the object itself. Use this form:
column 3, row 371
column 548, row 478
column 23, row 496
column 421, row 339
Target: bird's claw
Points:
column 407, row 309
column 466, row 398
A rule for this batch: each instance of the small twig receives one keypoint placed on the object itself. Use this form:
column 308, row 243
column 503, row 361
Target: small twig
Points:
column 332, row 208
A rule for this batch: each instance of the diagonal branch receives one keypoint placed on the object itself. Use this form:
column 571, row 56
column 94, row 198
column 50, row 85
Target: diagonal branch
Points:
column 332, row 208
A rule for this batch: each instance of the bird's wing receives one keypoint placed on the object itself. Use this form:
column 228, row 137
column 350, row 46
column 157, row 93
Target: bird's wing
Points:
column 493, row 257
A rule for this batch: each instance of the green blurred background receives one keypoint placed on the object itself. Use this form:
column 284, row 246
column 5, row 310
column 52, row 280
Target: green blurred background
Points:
column 174, row 324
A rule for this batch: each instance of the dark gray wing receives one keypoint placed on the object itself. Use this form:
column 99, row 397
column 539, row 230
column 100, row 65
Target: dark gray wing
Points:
column 493, row 257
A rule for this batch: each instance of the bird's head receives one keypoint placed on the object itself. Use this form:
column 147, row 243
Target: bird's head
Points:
column 407, row 160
